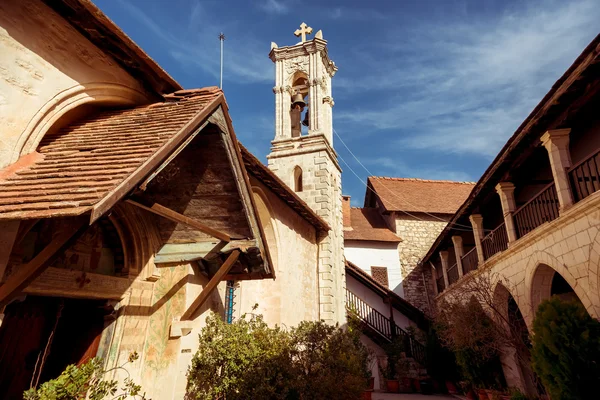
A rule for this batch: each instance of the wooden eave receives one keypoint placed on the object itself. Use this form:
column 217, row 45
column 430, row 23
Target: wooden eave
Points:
column 579, row 84
column 93, row 24
column 277, row 186
column 410, row 311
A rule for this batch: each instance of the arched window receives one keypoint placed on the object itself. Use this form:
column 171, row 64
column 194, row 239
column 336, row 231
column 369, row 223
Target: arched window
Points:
column 297, row 179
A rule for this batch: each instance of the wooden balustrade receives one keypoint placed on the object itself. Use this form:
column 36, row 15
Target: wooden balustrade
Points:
column 452, row 274
column 542, row 208
column 585, row 176
column 368, row 314
column 495, row 242
column 470, row 261
column 381, row 324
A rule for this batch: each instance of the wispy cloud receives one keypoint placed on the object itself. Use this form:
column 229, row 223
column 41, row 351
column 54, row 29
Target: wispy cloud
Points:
column 196, row 45
column 347, row 13
column 464, row 86
column 274, row 7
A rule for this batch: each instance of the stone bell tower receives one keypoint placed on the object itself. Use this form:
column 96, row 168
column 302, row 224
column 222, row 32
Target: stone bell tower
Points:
column 304, row 157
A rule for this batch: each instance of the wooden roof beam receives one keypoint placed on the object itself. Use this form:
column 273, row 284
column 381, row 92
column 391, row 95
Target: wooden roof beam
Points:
column 174, row 216
column 25, row 274
column 211, row 285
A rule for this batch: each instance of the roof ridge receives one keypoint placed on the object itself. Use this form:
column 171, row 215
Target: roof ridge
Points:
column 421, row 180
column 190, row 93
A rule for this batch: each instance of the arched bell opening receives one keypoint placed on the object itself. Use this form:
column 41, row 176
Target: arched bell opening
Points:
column 299, row 112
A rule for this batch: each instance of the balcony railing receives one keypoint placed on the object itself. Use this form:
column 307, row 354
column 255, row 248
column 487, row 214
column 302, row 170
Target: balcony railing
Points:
column 495, row 242
column 470, row 261
column 441, row 285
column 452, row 274
column 585, row 176
column 542, row 208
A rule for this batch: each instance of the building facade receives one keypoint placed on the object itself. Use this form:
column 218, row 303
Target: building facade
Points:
column 534, row 213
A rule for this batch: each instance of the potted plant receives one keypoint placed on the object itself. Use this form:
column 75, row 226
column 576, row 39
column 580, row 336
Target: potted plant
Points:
column 393, row 351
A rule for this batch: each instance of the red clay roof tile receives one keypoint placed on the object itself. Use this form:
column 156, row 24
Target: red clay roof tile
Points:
column 84, row 161
column 420, row 195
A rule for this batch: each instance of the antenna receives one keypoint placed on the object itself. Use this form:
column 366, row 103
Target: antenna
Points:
column 221, row 39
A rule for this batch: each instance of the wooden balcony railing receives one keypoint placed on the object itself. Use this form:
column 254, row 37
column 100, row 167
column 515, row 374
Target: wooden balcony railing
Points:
column 383, row 325
column 441, row 285
column 495, row 242
column 368, row 314
column 470, row 261
column 542, row 208
column 585, row 176
column 452, row 274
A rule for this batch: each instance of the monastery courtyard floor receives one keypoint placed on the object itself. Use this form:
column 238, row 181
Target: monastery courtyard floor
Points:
column 404, row 396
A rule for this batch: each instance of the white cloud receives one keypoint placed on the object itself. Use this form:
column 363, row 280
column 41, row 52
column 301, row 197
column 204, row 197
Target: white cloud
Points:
column 197, row 46
column 465, row 86
column 274, row 7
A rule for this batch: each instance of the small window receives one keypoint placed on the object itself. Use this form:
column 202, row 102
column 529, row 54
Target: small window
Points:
column 297, row 179
column 380, row 274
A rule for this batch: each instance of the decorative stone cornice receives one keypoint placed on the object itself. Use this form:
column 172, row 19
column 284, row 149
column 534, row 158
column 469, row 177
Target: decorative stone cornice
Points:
column 303, row 145
column 304, row 49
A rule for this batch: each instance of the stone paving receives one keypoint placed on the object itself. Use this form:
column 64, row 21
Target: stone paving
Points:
column 409, row 396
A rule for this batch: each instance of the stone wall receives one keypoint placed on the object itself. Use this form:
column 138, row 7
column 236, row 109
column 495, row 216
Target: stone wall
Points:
column 418, row 232
column 47, row 69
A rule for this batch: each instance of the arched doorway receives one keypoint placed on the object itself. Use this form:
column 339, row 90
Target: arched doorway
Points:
column 547, row 283
column 44, row 332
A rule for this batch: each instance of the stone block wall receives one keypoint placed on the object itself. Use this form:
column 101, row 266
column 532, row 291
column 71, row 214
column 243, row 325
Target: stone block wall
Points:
column 418, row 232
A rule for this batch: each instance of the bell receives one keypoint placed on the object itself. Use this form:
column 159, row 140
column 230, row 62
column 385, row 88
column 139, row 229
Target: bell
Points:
column 298, row 99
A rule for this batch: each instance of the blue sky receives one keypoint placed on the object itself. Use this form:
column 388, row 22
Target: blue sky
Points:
column 425, row 88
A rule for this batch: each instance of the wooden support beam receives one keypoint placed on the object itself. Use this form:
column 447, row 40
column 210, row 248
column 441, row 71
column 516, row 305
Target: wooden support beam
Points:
column 186, row 252
column 211, row 285
column 25, row 274
column 182, row 219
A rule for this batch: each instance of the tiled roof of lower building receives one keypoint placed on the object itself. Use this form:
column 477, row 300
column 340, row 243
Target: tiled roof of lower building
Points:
column 367, row 224
column 418, row 195
column 86, row 161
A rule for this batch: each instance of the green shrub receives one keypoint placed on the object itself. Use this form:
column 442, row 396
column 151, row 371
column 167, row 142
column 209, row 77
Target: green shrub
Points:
column 249, row 360
column 566, row 350
column 77, row 382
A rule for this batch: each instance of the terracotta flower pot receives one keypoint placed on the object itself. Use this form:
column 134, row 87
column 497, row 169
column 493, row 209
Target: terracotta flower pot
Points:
column 482, row 394
column 406, row 385
column 416, row 385
column 470, row 395
column 393, row 385
column 367, row 395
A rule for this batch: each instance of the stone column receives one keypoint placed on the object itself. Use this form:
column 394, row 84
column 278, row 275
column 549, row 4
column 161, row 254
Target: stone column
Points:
column 557, row 144
column 477, row 223
column 434, row 276
column 506, row 190
column 444, row 258
column 459, row 252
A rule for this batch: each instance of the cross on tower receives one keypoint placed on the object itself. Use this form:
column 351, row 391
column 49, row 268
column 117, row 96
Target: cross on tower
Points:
column 303, row 31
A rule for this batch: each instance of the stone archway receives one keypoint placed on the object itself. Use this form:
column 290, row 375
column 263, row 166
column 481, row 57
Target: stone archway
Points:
column 539, row 274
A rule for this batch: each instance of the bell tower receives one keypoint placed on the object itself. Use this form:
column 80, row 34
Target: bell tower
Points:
column 302, row 153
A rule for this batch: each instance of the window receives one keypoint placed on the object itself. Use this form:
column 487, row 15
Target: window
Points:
column 229, row 303
column 380, row 274
column 297, row 179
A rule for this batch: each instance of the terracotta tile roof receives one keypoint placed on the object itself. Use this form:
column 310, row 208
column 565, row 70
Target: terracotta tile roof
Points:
column 420, row 195
column 272, row 181
column 88, row 160
column 366, row 224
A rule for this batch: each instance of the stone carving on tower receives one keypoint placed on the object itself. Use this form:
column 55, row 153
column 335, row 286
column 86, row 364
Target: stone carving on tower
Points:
column 302, row 153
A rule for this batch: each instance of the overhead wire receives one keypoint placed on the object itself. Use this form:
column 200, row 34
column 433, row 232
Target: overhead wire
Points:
column 467, row 228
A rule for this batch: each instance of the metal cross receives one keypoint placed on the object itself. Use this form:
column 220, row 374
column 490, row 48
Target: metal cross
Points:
column 303, row 31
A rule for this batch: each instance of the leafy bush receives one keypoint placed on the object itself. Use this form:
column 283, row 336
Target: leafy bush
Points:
column 77, row 382
column 249, row 360
column 470, row 333
column 566, row 350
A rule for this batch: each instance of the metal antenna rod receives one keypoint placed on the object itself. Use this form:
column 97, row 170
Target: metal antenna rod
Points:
column 221, row 39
